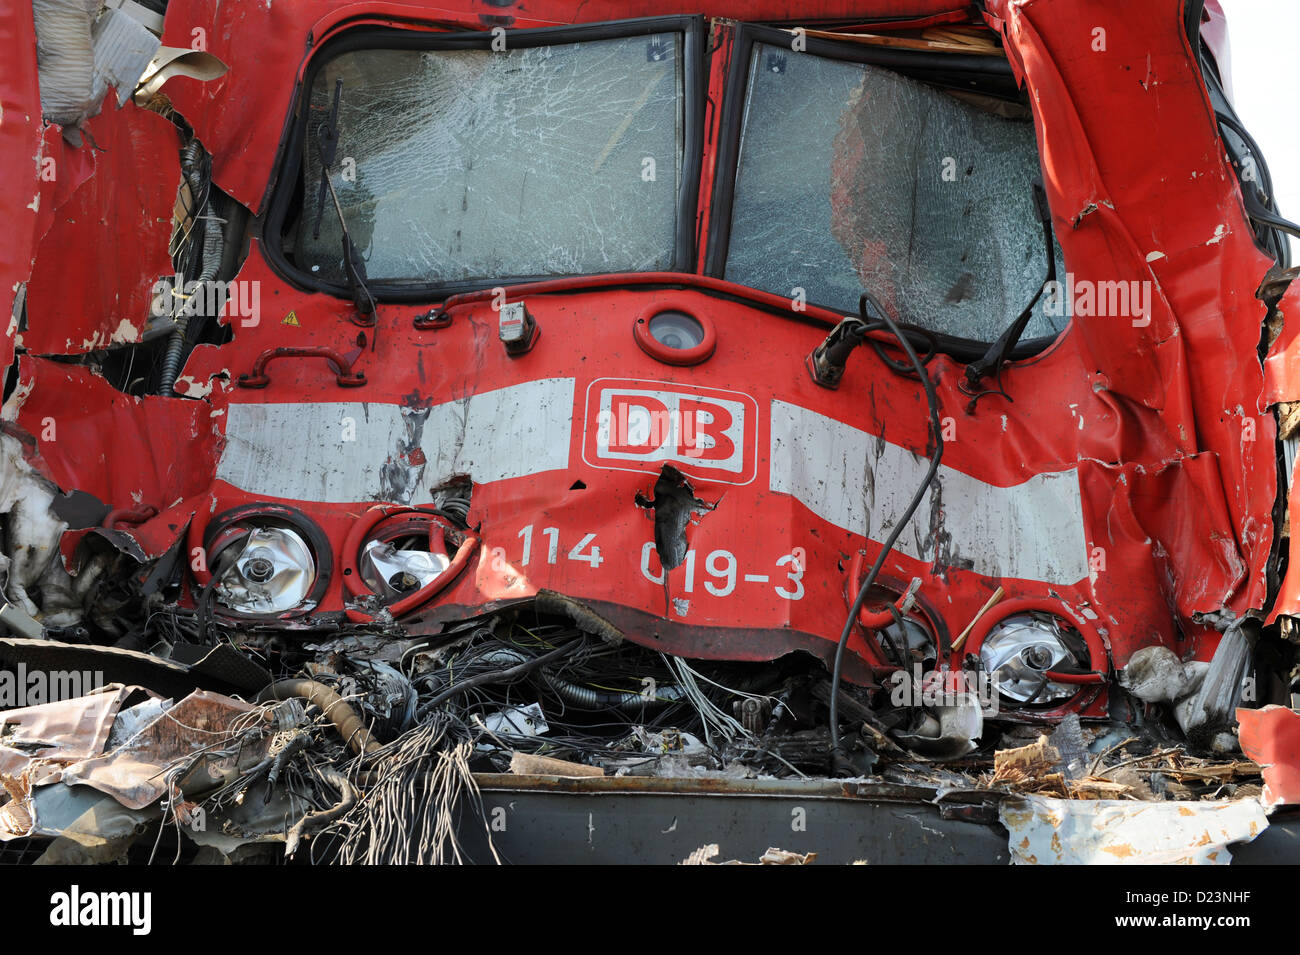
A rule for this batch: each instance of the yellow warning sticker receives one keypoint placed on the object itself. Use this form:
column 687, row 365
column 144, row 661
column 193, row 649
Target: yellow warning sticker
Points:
column 290, row 319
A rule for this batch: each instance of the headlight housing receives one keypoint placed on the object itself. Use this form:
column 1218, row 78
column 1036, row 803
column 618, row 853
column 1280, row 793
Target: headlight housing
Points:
column 263, row 561
column 272, row 572
column 1022, row 649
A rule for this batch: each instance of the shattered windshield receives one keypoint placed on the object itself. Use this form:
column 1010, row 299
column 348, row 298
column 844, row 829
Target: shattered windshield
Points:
column 854, row 178
column 473, row 164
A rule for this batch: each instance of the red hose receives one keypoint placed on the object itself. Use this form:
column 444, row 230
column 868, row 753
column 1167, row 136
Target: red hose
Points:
column 356, row 586
column 870, row 620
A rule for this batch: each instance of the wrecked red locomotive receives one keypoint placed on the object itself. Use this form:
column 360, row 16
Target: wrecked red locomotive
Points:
column 766, row 351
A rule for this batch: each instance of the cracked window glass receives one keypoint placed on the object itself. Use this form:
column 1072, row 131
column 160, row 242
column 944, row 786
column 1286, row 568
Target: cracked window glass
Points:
column 854, row 178
column 471, row 165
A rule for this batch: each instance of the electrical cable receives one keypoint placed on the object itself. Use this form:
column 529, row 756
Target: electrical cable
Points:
column 936, row 437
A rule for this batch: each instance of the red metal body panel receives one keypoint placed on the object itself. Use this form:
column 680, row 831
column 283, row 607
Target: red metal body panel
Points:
column 1271, row 737
column 89, row 290
column 20, row 139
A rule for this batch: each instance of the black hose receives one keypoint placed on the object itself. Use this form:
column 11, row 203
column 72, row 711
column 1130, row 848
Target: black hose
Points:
column 590, row 698
column 213, row 241
column 936, row 435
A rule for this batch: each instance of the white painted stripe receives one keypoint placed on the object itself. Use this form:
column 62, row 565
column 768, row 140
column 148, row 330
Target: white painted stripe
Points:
column 862, row 483
column 300, row 450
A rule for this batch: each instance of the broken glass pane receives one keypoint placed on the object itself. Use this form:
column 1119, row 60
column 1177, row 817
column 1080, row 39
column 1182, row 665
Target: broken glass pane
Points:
column 854, row 178
column 462, row 165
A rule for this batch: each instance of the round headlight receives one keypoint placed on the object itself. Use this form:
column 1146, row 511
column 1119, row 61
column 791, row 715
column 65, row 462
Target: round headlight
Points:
column 262, row 560
column 1020, row 652
column 269, row 571
column 400, row 558
column 394, row 571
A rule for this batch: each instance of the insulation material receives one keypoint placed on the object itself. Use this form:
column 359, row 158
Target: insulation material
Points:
column 67, row 58
column 1047, row 831
column 33, row 530
column 123, row 50
column 83, row 51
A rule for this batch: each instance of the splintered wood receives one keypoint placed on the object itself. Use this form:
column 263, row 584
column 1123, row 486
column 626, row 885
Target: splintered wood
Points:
column 1035, row 768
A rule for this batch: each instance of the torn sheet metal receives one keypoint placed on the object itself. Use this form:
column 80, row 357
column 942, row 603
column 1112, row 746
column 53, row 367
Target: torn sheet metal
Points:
column 1047, row 831
column 1271, row 737
column 89, row 290
column 38, row 741
column 66, row 416
column 135, row 773
column 85, row 49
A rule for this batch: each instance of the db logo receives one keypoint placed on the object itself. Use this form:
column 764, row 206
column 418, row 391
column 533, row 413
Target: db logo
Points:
column 638, row 425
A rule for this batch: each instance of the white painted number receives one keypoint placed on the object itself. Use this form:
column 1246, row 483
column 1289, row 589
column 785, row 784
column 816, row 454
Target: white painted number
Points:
column 593, row 558
column 729, row 574
column 795, row 574
column 723, row 571
column 552, row 535
column 646, row 551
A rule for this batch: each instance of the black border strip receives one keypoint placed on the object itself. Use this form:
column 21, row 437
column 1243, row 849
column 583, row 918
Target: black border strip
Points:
column 955, row 70
column 289, row 166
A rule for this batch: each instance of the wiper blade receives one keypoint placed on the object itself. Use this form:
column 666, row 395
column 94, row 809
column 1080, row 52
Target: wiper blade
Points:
column 328, row 137
column 354, row 267
column 999, row 352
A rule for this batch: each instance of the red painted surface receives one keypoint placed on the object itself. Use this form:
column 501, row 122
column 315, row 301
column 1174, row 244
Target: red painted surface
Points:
column 1271, row 737
column 1167, row 423
column 20, row 139
column 90, row 287
column 128, row 452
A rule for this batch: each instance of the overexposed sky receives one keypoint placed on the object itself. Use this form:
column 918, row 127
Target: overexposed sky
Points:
column 1262, row 37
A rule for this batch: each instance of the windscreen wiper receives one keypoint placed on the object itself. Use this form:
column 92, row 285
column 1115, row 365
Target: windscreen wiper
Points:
column 999, row 352
column 328, row 137
column 354, row 268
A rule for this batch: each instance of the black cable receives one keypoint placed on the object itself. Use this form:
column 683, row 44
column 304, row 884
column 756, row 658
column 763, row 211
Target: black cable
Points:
column 497, row 676
column 1265, row 214
column 936, row 436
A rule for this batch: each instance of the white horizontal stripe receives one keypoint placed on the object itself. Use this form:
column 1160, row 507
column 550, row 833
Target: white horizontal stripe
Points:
column 346, row 451
column 862, row 483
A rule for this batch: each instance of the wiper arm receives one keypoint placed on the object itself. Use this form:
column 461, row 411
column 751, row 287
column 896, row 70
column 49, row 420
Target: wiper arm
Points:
column 999, row 352
column 353, row 266
column 328, row 137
